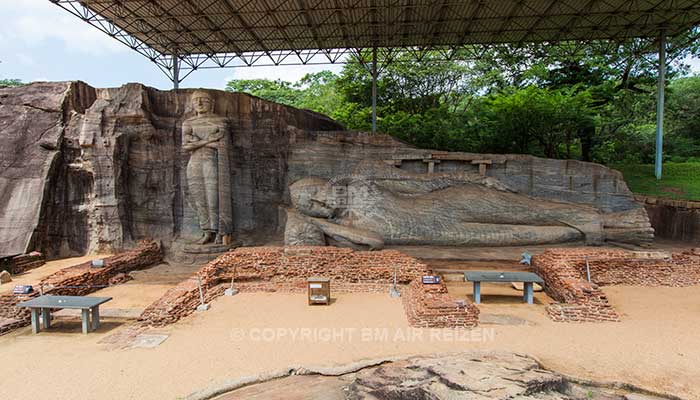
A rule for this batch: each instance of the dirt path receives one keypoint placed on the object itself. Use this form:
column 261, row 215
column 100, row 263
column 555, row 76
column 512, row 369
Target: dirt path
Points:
column 33, row 276
column 655, row 347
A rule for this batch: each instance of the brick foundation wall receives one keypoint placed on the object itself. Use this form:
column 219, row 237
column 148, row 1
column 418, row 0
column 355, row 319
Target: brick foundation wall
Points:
column 284, row 264
column 8, row 325
column 22, row 263
column 564, row 273
column 78, row 280
column 8, row 309
column 285, row 269
column 673, row 219
column 430, row 306
column 83, row 279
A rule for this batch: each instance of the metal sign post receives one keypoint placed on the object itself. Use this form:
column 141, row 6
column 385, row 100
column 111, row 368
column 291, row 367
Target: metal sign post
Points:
column 231, row 291
column 202, row 305
column 394, row 292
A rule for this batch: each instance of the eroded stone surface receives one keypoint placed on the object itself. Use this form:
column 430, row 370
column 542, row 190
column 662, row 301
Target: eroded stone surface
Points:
column 86, row 169
column 487, row 376
column 32, row 126
column 463, row 376
column 207, row 139
column 379, row 203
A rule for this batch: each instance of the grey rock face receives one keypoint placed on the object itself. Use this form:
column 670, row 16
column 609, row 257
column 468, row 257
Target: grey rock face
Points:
column 461, row 376
column 32, row 124
column 85, row 169
column 207, row 139
column 474, row 375
column 380, row 203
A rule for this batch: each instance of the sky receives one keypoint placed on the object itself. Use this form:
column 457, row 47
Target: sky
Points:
column 41, row 42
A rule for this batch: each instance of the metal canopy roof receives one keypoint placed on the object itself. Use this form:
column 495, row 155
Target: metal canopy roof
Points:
column 240, row 26
column 225, row 30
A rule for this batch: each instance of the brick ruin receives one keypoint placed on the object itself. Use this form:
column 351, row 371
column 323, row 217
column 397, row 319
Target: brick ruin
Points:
column 78, row 280
column 22, row 263
column 285, row 269
column 564, row 272
column 430, row 306
column 673, row 219
column 260, row 269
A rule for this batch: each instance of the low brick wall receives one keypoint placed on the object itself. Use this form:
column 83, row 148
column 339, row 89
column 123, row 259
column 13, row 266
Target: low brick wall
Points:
column 564, row 273
column 285, row 269
column 8, row 309
column 673, row 219
column 82, row 279
column 79, row 280
column 285, row 264
column 22, row 263
column 10, row 324
column 430, row 306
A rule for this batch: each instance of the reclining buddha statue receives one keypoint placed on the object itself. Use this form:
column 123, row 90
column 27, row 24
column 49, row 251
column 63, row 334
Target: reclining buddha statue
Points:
column 380, row 204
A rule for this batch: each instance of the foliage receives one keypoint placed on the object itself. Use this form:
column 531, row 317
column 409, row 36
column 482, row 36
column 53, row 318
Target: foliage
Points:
column 313, row 92
column 6, row 83
column 538, row 121
column 278, row 91
column 678, row 180
column 594, row 101
column 683, row 110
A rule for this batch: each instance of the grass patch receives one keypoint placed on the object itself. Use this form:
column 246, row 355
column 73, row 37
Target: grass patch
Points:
column 680, row 181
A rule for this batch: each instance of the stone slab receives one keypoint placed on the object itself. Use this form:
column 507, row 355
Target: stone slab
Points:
column 145, row 341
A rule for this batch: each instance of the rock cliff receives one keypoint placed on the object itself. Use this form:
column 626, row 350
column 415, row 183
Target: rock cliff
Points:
column 85, row 169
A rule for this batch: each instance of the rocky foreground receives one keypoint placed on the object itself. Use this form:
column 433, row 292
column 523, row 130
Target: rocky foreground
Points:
column 467, row 376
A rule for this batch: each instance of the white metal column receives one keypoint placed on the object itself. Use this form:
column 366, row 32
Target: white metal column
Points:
column 374, row 90
column 660, row 105
column 176, row 72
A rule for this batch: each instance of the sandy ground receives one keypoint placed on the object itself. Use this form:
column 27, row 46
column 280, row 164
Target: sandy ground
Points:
column 656, row 347
column 33, row 276
column 147, row 286
column 131, row 298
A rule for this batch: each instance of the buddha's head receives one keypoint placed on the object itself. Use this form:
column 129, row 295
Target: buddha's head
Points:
column 312, row 197
column 202, row 102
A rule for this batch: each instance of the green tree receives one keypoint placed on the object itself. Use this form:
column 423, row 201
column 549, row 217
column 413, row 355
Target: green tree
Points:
column 683, row 115
column 593, row 101
column 5, row 83
column 536, row 120
column 318, row 93
column 278, row 91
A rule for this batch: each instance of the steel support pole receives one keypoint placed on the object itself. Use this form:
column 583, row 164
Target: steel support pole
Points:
column 374, row 90
column 176, row 72
column 660, row 105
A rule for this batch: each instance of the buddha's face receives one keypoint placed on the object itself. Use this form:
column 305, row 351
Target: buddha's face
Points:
column 311, row 196
column 203, row 104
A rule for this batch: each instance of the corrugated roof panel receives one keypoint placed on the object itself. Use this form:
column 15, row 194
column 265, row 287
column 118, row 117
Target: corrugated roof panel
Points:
column 245, row 25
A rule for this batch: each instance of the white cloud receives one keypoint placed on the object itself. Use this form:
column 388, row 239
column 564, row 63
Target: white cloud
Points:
column 33, row 22
column 289, row 73
column 25, row 59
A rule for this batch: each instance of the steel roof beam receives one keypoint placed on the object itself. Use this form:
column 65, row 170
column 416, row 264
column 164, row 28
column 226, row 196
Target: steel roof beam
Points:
column 245, row 25
column 208, row 32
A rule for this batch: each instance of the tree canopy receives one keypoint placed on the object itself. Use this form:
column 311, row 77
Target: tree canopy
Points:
column 5, row 83
column 592, row 101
